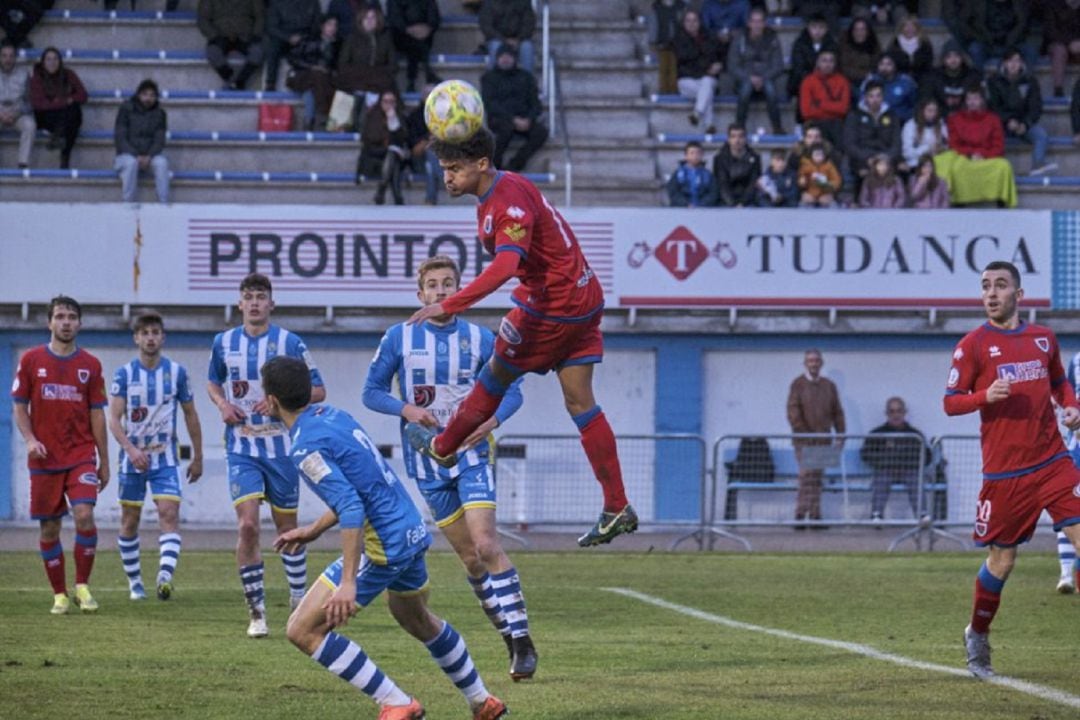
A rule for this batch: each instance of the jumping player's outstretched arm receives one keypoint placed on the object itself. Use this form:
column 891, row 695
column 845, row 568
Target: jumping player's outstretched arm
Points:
column 491, row 279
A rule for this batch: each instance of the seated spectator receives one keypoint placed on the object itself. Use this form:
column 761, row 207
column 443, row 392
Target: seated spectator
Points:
column 825, row 97
column 141, row 125
column 288, row 22
column 347, row 13
column 756, row 61
column 18, row 18
column 1061, row 33
column 413, row 24
column 15, row 108
column 925, row 189
column 859, row 52
column 882, row 189
column 778, row 186
column 813, row 39
column 313, row 62
column 232, row 26
column 57, row 96
column 722, row 19
column 736, row 168
column 895, row 460
column 662, row 23
column 509, row 22
column 384, row 147
column 996, row 27
column 924, row 134
column 828, row 9
column 698, row 67
column 819, row 180
column 366, row 65
column 692, row 185
column 422, row 158
column 1017, row 100
column 947, row 83
column 974, row 166
column 882, row 12
column 812, row 135
column 912, row 50
column 512, row 106
column 871, row 129
column 901, row 93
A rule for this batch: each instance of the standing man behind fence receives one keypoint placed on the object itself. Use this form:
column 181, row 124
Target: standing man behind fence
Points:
column 813, row 406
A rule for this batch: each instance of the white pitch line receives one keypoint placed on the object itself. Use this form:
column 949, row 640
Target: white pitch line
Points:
column 1039, row 691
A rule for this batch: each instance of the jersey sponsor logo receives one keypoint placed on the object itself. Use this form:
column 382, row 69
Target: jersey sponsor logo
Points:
column 315, row 467
column 995, row 351
column 515, row 212
column 240, row 388
column 56, row 391
column 1043, row 344
column 266, row 430
column 84, row 375
column 139, row 414
column 958, row 354
column 514, row 232
column 88, row 478
column 423, row 395
column 954, row 377
column 1022, row 371
column 509, row 333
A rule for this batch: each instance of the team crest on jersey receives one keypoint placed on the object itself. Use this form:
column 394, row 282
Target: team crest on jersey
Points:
column 84, row 375
column 1076, row 490
column 464, row 344
column 1043, row 344
column 509, row 333
column 240, row 388
column 515, row 232
column 488, row 224
column 954, row 377
column 139, row 414
column 515, row 212
column 271, row 348
column 423, row 395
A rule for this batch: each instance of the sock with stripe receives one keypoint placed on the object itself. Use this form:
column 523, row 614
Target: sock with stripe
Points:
column 345, row 659
column 129, row 557
column 599, row 443
column 451, row 654
column 85, row 549
column 1066, row 554
column 169, row 545
column 52, row 554
column 507, row 587
column 480, row 404
column 254, row 591
column 485, row 593
column 987, row 598
column 296, row 572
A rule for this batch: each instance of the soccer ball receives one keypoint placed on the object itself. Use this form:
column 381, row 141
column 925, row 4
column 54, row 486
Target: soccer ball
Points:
column 454, row 111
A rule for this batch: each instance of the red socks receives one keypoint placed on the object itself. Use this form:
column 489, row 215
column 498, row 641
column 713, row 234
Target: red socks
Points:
column 478, row 406
column 52, row 554
column 85, row 547
column 987, row 598
column 599, row 443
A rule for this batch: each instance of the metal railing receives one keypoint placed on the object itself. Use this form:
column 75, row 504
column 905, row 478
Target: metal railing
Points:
column 552, row 92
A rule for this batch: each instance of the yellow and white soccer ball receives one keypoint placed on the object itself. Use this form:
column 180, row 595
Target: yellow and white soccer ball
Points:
column 454, row 111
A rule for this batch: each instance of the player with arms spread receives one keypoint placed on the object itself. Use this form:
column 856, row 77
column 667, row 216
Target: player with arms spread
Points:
column 1010, row 371
column 59, row 397
column 554, row 326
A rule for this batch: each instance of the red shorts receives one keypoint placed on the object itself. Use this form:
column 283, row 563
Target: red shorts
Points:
column 531, row 344
column 1009, row 509
column 47, row 491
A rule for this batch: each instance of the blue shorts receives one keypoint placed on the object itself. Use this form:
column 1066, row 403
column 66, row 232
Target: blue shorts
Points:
column 273, row 479
column 448, row 500
column 164, row 485
column 404, row 578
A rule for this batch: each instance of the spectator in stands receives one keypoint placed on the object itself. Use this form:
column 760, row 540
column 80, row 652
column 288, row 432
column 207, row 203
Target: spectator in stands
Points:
column 1061, row 33
column 384, row 147
column 871, row 129
column 141, row 124
column 912, row 50
column 819, row 179
column 366, row 65
column 895, row 460
column 512, row 106
column 509, row 22
column 925, row 133
column 956, row 15
column 722, row 18
column 812, row 135
column 813, row 406
column 813, row 39
column 1016, row 98
column 736, row 168
column 975, row 167
column 18, row 18
column 692, row 185
column 901, row 93
column 883, row 12
column 882, row 189
column 1074, row 112
column 828, row 9
column 825, row 97
column 233, row 26
column 348, row 13
column 14, row 101
column 756, row 61
column 413, row 24
column 778, row 186
column 288, row 22
column 663, row 23
column 698, row 67
column 57, row 96
column 947, row 83
column 925, row 189
column 422, row 158
column 313, row 62
column 996, row 27
column 859, row 52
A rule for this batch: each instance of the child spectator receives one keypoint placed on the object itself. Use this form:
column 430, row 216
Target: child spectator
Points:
column 692, row 185
column 819, row 180
column 1016, row 98
column 663, row 23
column 698, row 66
column 825, row 97
column 924, row 134
column 859, row 51
column 778, row 186
column 925, row 189
column 57, row 96
column 813, row 39
column 882, row 190
column 912, row 49
column 812, row 135
column 736, row 168
column 756, row 61
column 974, row 166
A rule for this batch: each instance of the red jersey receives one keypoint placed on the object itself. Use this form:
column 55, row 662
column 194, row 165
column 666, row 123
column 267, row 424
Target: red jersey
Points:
column 61, row 391
column 1020, row 433
column 556, row 280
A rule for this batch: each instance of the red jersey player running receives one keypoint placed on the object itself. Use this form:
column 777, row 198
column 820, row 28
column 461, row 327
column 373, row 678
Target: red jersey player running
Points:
column 1010, row 371
column 60, row 401
column 555, row 326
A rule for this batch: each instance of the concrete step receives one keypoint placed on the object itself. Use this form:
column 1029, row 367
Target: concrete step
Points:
column 602, row 78
column 617, row 10
column 609, row 39
column 611, row 119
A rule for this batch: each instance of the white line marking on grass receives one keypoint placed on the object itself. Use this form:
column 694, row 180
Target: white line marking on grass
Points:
column 1039, row 691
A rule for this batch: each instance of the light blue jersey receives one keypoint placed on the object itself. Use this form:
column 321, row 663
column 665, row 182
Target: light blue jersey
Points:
column 341, row 464
column 152, row 397
column 436, row 367
column 234, row 365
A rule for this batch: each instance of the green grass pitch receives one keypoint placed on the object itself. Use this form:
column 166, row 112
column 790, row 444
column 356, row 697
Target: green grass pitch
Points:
column 602, row 655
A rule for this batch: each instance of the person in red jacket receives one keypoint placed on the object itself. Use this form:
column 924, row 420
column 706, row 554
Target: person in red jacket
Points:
column 825, row 97
column 56, row 96
column 974, row 166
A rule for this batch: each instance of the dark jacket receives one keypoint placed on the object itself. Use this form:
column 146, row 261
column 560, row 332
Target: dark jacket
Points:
column 694, row 186
column 895, row 453
column 919, row 65
column 366, row 62
column 786, row 185
column 856, row 61
column 866, row 135
column 315, row 52
column 1061, row 23
column 510, row 93
column 1000, row 24
column 1016, row 99
column 239, row 19
column 755, row 56
column 663, row 22
column 948, row 88
column 292, row 17
column 139, row 130
column 346, row 12
column 1074, row 108
column 731, row 14
column 507, row 19
column 693, row 56
column 400, row 14
column 735, row 176
column 804, row 58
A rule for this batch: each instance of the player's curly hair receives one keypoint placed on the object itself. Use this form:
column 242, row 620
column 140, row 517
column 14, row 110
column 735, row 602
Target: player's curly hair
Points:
column 480, row 145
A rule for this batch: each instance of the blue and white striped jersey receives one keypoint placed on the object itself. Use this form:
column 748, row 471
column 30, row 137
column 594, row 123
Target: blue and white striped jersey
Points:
column 152, row 397
column 436, row 368
column 1072, row 373
column 234, row 365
